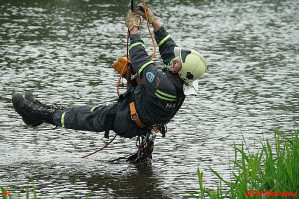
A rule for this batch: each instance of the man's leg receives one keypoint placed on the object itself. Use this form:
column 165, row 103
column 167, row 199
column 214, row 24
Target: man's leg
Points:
column 35, row 113
column 89, row 118
column 114, row 117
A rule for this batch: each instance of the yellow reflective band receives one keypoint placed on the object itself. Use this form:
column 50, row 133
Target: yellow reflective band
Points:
column 135, row 44
column 166, row 38
column 143, row 66
column 167, row 95
column 164, row 98
column 62, row 120
column 93, row 108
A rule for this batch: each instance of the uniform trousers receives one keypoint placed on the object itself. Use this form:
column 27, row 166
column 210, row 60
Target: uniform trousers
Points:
column 115, row 116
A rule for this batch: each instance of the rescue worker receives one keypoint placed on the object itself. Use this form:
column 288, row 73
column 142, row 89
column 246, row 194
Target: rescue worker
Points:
column 154, row 101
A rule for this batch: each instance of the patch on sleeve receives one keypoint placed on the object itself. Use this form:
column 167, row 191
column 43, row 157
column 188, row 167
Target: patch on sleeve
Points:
column 150, row 76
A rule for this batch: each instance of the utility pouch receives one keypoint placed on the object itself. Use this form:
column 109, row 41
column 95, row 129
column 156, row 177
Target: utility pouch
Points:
column 122, row 65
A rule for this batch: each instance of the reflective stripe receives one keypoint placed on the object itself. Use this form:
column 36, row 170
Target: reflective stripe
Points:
column 165, row 96
column 62, row 120
column 135, row 44
column 93, row 108
column 143, row 66
column 166, row 38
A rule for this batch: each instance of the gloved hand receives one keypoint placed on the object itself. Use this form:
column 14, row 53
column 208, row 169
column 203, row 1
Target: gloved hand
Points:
column 132, row 20
column 150, row 15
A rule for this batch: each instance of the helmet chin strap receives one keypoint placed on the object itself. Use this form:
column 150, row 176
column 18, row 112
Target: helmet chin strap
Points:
column 166, row 69
column 174, row 74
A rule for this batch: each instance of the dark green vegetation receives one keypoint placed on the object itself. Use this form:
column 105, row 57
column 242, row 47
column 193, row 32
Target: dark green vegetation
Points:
column 274, row 168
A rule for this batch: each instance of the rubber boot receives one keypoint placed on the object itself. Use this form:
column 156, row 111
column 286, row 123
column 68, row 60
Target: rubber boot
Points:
column 33, row 112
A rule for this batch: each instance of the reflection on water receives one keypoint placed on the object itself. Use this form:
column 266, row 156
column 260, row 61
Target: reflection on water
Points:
column 63, row 50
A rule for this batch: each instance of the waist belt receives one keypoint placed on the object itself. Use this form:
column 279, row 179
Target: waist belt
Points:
column 134, row 116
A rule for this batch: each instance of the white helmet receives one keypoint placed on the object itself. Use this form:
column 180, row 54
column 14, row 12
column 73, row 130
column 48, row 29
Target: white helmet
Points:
column 193, row 64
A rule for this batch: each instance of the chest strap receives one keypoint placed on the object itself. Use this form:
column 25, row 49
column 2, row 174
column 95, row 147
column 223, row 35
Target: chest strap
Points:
column 134, row 116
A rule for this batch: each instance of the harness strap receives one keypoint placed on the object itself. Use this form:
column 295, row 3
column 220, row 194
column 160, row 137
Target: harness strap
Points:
column 134, row 116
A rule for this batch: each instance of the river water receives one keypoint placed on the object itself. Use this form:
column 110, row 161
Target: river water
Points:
column 62, row 50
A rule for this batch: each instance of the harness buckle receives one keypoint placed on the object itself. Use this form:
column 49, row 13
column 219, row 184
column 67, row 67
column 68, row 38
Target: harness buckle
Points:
column 134, row 117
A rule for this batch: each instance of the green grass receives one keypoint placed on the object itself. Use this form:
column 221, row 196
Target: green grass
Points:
column 8, row 194
column 272, row 169
column 29, row 194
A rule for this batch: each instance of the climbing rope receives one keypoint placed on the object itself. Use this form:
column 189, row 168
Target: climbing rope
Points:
column 126, row 66
column 149, row 30
column 106, row 145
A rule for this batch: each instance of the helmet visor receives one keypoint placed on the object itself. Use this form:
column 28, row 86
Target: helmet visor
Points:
column 177, row 51
column 181, row 53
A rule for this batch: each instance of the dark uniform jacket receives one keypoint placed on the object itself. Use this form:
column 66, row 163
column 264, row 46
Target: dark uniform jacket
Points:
column 160, row 95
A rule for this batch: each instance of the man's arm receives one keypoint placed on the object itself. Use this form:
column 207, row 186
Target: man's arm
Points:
column 145, row 67
column 163, row 39
column 165, row 42
column 156, row 25
column 134, row 30
column 139, row 57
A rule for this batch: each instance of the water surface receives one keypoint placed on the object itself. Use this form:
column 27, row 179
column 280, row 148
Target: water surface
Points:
column 63, row 50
